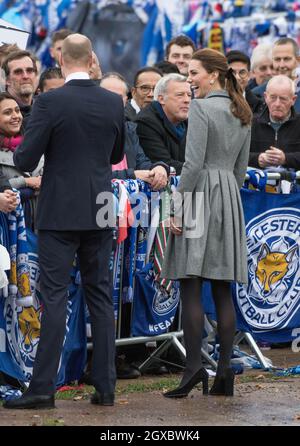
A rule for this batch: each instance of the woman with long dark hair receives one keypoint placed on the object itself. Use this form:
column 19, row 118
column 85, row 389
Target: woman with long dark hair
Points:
column 210, row 241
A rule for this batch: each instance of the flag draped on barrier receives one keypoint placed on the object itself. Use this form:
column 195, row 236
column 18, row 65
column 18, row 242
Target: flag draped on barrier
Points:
column 20, row 325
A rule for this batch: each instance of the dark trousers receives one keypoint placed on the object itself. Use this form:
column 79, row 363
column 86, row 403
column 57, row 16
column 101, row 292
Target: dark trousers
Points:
column 56, row 254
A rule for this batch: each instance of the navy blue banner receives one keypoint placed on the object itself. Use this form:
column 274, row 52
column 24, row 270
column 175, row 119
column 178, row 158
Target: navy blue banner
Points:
column 269, row 307
column 153, row 307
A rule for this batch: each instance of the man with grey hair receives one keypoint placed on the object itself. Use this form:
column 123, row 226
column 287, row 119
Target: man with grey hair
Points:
column 285, row 60
column 137, row 163
column 162, row 125
column 261, row 65
column 80, row 129
column 275, row 139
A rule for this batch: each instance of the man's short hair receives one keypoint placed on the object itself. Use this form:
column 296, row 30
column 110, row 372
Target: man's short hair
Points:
column 238, row 56
column 145, row 70
column 115, row 75
column 180, row 41
column 61, row 34
column 288, row 40
column 76, row 48
column 261, row 51
column 167, row 67
column 282, row 79
column 16, row 55
column 49, row 73
column 162, row 85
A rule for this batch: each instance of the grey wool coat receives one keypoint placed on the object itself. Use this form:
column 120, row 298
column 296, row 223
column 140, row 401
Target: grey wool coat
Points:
column 216, row 159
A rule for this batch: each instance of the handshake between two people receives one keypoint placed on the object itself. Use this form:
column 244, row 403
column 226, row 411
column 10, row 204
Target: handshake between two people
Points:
column 156, row 177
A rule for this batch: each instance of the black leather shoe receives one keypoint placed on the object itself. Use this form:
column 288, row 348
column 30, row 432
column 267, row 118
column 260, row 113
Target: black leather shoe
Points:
column 30, row 401
column 183, row 391
column 103, row 399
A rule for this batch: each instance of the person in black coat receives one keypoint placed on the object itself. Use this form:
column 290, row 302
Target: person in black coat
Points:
column 80, row 130
column 162, row 125
column 240, row 65
column 138, row 165
column 275, row 136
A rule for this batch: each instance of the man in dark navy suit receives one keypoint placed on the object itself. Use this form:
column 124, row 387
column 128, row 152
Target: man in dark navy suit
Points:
column 79, row 128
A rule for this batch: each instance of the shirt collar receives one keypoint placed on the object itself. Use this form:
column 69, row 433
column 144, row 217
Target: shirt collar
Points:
column 135, row 106
column 77, row 75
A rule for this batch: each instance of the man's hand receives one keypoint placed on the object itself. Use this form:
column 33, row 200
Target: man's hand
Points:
column 276, row 157
column 8, row 201
column 33, row 182
column 160, row 178
column 144, row 175
column 263, row 160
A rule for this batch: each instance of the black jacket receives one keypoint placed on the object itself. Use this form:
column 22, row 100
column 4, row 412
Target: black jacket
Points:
column 287, row 139
column 257, row 104
column 80, row 130
column 130, row 113
column 136, row 158
column 159, row 139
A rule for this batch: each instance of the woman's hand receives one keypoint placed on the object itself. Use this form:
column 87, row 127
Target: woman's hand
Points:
column 175, row 227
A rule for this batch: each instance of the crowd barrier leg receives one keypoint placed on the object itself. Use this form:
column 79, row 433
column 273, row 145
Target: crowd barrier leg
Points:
column 254, row 347
column 251, row 342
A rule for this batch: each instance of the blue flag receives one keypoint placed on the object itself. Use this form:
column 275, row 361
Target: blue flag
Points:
column 269, row 306
column 153, row 307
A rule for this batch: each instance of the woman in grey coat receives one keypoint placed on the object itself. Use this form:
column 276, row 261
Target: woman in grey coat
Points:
column 210, row 241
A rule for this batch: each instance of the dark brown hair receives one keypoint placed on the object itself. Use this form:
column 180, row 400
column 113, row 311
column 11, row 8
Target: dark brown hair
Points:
column 211, row 61
column 182, row 41
column 61, row 34
column 16, row 55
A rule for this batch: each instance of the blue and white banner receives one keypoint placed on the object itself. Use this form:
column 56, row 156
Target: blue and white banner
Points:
column 269, row 307
column 153, row 307
column 20, row 328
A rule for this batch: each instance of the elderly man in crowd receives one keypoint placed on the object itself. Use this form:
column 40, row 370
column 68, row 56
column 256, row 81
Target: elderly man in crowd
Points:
column 162, row 125
column 275, row 140
column 142, row 92
column 261, row 65
column 285, row 59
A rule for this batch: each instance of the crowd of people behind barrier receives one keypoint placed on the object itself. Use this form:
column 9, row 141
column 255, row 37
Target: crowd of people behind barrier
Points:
column 156, row 109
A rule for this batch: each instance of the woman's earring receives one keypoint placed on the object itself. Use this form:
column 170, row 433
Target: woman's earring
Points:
column 211, row 82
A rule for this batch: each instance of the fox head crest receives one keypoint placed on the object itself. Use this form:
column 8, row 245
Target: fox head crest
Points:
column 272, row 267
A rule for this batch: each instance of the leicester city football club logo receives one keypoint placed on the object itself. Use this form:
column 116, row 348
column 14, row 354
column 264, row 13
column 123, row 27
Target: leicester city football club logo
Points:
column 23, row 323
column 164, row 301
column 272, row 296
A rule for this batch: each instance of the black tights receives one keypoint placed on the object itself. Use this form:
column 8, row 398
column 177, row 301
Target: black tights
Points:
column 193, row 323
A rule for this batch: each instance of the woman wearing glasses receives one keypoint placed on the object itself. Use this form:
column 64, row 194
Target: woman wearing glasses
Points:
column 210, row 241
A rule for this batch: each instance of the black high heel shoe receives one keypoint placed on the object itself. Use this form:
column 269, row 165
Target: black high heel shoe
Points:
column 223, row 384
column 183, row 391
